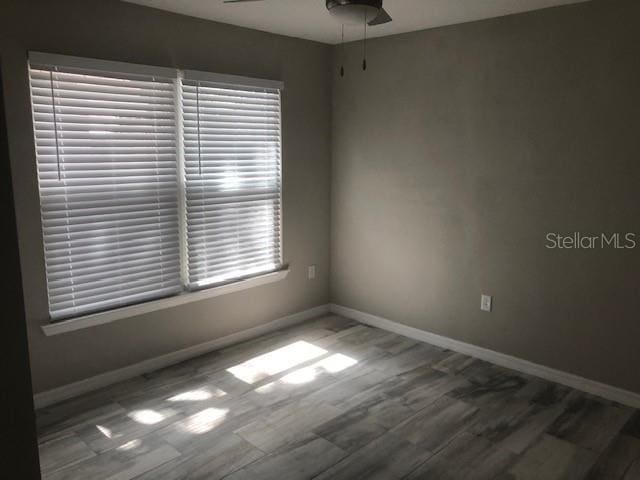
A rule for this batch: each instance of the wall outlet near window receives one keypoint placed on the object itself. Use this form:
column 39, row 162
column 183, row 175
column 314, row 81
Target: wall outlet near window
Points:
column 311, row 272
column 485, row 303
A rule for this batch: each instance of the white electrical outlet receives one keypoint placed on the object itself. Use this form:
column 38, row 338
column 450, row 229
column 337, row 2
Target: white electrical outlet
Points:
column 311, row 272
column 485, row 303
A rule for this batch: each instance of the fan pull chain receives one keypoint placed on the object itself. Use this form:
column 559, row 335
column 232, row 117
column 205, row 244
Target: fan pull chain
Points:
column 364, row 58
column 342, row 53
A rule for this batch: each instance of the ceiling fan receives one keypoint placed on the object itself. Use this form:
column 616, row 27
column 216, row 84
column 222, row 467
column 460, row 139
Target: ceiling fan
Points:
column 351, row 11
column 363, row 12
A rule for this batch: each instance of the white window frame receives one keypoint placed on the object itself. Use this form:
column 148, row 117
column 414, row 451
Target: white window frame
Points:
column 186, row 296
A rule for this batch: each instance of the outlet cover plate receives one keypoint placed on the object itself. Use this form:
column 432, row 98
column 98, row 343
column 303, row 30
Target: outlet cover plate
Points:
column 486, row 302
column 311, row 272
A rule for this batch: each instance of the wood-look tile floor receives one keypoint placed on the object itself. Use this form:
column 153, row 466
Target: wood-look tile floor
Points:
column 334, row 399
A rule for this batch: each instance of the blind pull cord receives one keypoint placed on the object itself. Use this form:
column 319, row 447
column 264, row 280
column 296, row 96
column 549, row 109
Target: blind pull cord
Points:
column 198, row 124
column 55, row 122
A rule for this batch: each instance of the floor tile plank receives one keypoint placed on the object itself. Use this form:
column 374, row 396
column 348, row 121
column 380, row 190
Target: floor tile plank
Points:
column 123, row 463
column 434, row 426
column 207, row 461
column 553, row 459
column 63, row 452
column 590, row 423
column 387, row 458
column 467, row 456
column 300, row 460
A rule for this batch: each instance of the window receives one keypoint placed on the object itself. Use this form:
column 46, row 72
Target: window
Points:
column 153, row 182
column 232, row 180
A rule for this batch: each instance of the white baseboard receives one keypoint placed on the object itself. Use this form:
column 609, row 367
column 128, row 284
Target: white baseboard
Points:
column 71, row 390
column 608, row 392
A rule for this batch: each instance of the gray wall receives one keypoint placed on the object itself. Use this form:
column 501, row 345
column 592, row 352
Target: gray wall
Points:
column 455, row 154
column 118, row 31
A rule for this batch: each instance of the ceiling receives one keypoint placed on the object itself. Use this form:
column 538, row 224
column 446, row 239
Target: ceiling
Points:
column 309, row 18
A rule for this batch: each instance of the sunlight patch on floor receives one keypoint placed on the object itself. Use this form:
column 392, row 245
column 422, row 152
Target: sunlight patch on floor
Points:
column 197, row 395
column 277, row 361
column 336, row 363
column 105, row 431
column 332, row 364
column 204, row 421
column 129, row 445
column 146, row 417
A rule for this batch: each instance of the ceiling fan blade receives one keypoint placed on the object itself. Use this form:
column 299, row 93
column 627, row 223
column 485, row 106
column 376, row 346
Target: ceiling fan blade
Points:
column 383, row 17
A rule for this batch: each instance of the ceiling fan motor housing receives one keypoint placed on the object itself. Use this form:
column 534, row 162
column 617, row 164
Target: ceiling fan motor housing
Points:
column 354, row 11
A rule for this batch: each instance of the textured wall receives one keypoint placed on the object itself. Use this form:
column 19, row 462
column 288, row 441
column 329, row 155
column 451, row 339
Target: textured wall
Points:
column 123, row 32
column 455, row 154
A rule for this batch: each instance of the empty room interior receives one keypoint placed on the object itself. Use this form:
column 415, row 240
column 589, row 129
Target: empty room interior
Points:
column 320, row 239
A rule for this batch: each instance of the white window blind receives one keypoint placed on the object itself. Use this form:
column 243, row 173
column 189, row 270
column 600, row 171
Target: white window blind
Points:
column 152, row 181
column 232, row 175
column 107, row 172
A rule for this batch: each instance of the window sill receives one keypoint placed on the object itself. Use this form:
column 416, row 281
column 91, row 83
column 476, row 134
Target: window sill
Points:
column 101, row 318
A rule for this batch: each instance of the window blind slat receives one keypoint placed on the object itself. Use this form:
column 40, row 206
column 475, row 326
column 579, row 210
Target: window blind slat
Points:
column 243, row 259
column 109, row 269
column 68, row 309
column 101, row 120
column 103, row 261
column 106, row 241
column 233, row 272
column 247, row 254
column 137, row 291
column 98, row 284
